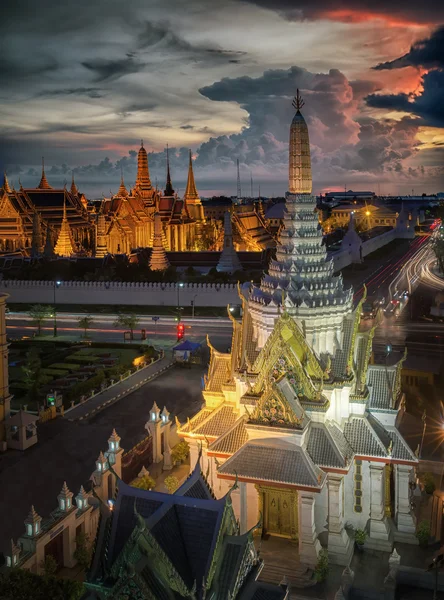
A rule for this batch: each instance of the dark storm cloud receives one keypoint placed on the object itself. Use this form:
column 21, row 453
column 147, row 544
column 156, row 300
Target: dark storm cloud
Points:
column 428, row 11
column 113, row 69
column 428, row 53
column 428, row 105
column 90, row 92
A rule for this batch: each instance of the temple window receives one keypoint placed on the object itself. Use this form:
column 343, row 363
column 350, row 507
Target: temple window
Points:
column 36, row 528
column 358, row 486
column 28, row 529
column 62, row 504
column 8, row 561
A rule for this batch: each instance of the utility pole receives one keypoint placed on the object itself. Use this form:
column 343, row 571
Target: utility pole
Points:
column 239, row 191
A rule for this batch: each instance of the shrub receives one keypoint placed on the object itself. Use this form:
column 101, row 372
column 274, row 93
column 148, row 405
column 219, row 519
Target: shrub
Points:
column 360, row 536
column 68, row 366
column 423, row 533
column 171, row 483
column 429, row 483
column 180, row 452
column 144, row 483
column 322, row 568
column 50, row 566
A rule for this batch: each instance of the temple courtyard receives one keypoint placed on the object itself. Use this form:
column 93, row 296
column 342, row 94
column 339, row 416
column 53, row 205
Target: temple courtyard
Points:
column 68, row 450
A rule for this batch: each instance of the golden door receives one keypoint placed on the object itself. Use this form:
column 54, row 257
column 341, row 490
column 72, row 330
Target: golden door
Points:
column 277, row 513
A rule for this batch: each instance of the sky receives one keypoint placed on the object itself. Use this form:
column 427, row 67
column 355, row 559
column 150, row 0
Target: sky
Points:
column 83, row 82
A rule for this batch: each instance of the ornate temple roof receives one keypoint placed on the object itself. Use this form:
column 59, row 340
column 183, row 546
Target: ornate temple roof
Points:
column 187, row 539
column 276, row 461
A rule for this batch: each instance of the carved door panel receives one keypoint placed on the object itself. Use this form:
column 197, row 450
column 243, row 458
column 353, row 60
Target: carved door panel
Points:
column 284, row 516
column 272, row 513
column 278, row 513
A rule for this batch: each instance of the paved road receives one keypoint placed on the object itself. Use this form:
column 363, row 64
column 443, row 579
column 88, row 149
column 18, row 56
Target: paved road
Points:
column 67, row 450
column 120, row 390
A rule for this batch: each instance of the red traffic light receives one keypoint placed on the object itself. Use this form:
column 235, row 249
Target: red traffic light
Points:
column 180, row 331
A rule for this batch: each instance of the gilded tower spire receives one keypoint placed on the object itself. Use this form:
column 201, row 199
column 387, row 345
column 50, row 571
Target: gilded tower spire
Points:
column 64, row 246
column 6, row 186
column 169, row 191
column 143, row 181
column 191, row 191
column 300, row 181
column 74, row 190
column 44, row 185
column 122, row 192
column 158, row 260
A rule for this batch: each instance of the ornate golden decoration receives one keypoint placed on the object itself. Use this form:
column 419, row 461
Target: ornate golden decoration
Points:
column 280, row 511
column 387, row 490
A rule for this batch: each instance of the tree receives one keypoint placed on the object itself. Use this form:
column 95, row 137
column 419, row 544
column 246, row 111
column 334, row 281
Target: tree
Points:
column 85, row 323
column 21, row 584
column 127, row 321
column 38, row 314
column 82, row 553
column 146, row 482
column 32, row 372
column 50, row 566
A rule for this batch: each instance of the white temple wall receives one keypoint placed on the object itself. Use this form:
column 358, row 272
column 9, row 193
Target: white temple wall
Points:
column 134, row 294
column 321, row 510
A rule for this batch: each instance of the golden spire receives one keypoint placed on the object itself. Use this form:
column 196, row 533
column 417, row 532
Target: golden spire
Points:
column 143, row 182
column 169, row 191
column 298, row 103
column 64, row 246
column 122, row 191
column 74, row 190
column 6, row 186
column 300, row 181
column 43, row 185
column 190, row 191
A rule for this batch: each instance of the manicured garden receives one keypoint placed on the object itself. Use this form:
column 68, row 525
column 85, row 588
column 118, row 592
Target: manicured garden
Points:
column 37, row 368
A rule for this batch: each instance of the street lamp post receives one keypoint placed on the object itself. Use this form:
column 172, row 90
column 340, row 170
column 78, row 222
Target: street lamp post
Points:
column 56, row 285
column 179, row 285
column 193, row 304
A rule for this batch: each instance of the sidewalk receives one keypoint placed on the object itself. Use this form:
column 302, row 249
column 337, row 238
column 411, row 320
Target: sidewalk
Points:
column 119, row 391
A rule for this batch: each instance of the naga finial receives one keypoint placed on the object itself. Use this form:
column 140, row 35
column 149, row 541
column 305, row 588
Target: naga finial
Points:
column 298, row 103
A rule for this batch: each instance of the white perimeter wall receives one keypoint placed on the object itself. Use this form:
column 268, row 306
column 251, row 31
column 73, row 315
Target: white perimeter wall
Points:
column 137, row 294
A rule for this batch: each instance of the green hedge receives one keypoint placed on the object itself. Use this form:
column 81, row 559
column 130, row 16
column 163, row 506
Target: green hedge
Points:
column 83, row 359
column 68, row 366
column 84, row 388
column 55, row 372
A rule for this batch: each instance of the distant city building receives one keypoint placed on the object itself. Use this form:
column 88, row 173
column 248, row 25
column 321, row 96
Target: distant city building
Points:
column 349, row 196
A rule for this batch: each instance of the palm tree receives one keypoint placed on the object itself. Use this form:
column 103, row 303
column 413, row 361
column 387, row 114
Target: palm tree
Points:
column 128, row 321
column 85, row 323
column 39, row 313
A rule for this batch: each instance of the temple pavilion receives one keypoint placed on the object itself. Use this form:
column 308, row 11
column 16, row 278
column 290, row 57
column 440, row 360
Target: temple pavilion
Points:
column 295, row 411
column 160, row 546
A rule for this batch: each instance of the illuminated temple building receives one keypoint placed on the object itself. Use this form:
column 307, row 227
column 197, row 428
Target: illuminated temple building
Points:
column 129, row 215
column 41, row 211
column 295, row 411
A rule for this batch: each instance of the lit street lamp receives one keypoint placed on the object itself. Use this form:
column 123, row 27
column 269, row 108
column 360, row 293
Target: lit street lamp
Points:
column 56, row 285
column 179, row 285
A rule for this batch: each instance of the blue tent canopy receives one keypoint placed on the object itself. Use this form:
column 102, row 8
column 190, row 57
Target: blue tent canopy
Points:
column 187, row 346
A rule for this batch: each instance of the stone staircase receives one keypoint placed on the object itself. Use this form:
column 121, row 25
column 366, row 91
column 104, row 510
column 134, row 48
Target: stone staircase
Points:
column 281, row 560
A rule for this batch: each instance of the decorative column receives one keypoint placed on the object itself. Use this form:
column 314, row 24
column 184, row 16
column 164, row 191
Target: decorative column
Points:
column 309, row 545
column 379, row 527
column 166, row 424
column 243, row 506
column 153, row 426
column 405, row 520
column 340, row 548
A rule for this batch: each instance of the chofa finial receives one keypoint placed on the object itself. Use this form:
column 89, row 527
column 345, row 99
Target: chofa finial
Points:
column 298, row 103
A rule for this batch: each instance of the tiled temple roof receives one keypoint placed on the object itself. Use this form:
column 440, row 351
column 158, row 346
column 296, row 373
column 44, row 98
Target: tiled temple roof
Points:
column 380, row 381
column 275, row 461
column 322, row 448
column 231, row 440
column 217, row 422
column 362, row 438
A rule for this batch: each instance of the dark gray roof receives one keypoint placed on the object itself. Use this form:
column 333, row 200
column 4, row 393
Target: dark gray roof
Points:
column 339, row 361
column 393, row 441
column 232, row 440
column 233, row 552
column 195, row 486
column 339, row 438
column 322, row 448
column 362, row 438
column 380, row 382
column 276, row 461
